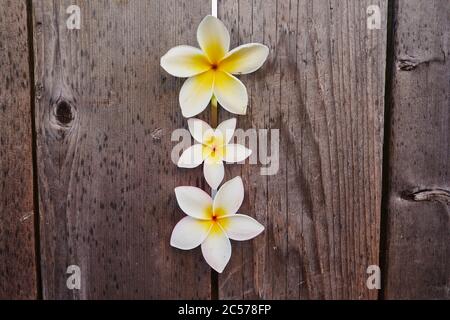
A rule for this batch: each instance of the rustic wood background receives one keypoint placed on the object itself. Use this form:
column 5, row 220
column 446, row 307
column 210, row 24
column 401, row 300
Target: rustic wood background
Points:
column 86, row 118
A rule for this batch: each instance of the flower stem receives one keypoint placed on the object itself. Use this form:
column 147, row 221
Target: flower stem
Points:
column 214, row 112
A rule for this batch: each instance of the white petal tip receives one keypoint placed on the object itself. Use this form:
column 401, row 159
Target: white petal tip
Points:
column 219, row 266
column 218, row 270
column 214, row 186
column 214, row 183
column 179, row 247
column 230, row 123
column 162, row 60
column 237, row 178
column 174, row 244
column 266, row 51
column 261, row 230
column 184, row 165
column 180, row 190
column 187, row 114
column 243, row 112
column 191, row 157
column 209, row 17
column 213, row 173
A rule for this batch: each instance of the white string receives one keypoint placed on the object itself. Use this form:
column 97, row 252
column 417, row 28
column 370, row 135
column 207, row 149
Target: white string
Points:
column 214, row 14
column 214, row 8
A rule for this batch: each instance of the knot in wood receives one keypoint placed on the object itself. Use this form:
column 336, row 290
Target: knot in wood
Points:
column 64, row 113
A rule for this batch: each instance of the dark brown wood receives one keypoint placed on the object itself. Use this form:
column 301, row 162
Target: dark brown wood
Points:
column 323, row 88
column 17, row 239
column 417, row 258
column 105, row 115
column 105, row 112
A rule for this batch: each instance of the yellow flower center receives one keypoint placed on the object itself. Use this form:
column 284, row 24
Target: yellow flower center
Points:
column 218, row 223
column 215, row 214
column 213, row 148
column 217, row 220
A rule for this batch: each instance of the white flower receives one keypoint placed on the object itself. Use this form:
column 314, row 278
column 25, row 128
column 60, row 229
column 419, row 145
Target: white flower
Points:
column 211, row 223
column 211, row 69
column 213, row 148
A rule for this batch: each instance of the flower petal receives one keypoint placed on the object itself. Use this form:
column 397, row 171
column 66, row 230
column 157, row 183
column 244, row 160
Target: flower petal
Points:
column 230, row 93
column 214, row 38
column 227, row 129
column 245, row 59
column 216, row 248
column 229, row 197
column 213, row 172
column 236, row 153
column 198, row 129
column 191, row 157
column 196, row 93
column 189, row 233
column 185, row 61
column 241, row 227
column 194, row 202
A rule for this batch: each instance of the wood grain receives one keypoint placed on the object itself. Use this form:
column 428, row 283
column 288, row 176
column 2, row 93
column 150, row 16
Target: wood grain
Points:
column 418, row 247
column 323, row 88
column 17, row 238
column 105, row 115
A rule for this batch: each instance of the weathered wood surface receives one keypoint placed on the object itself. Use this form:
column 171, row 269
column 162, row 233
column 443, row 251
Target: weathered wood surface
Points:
column 323, row 88
column 17, row 239
column 418, row 225
column 105, row 111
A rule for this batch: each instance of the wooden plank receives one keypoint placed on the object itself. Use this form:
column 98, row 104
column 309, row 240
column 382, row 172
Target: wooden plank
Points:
column 323, row 88
column 17, row 239
column 418, row 264
column 105, row 115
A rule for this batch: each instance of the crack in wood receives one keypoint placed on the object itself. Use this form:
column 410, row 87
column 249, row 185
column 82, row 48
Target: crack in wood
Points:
column 436, row 195
column 409, row 63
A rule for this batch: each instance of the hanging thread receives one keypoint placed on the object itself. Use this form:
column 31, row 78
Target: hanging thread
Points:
column 214, row 8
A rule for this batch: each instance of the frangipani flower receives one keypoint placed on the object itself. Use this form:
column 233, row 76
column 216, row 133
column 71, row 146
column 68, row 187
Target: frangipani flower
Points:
column 212, row 148
column 211, row 223
column 211, row 69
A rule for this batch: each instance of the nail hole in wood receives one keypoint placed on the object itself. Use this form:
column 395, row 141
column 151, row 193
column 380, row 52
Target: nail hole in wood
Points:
column 63, row 113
